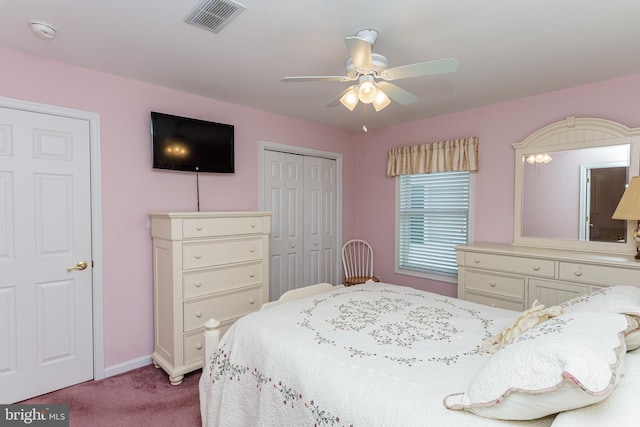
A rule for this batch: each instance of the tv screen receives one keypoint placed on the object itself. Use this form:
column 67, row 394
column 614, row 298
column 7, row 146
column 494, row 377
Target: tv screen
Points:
column 185, row 144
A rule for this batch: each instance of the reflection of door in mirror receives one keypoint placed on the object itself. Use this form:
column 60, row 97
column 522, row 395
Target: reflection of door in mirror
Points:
column 603, row 189
column 554, row 202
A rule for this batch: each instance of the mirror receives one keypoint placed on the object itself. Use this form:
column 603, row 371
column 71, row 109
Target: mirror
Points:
column 570, row 176
column 590, row 183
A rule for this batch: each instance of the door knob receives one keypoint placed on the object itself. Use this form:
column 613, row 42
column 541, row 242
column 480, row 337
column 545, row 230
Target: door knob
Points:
column 81, row 265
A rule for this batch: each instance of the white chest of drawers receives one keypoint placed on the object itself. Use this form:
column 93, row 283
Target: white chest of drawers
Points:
column 206, row 264
column 513, row 277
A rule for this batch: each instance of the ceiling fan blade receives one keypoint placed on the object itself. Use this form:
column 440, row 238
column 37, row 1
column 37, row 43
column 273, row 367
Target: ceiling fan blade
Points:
column 316, row 79
column 336, row 101
column 360, row 52
column 396, row 93
column 429, row 68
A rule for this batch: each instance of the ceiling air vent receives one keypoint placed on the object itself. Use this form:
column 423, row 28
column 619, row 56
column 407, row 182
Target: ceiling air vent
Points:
column 214, row 15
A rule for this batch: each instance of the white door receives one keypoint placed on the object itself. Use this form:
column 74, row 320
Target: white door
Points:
column 313, row 213
column 45, row 228
column 319, row 220
column 284, row 184
column 301, row 191
column 330, row 220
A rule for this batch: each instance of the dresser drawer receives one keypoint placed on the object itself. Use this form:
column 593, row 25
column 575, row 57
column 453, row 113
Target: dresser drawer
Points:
column 193, row 343
column 204, row 282
column 495, row 302
column 229, row 306
column 502, row 285
column 208, row 227
column 511, row 264
column 598, row 274
column 193, row 347
column 219, row 252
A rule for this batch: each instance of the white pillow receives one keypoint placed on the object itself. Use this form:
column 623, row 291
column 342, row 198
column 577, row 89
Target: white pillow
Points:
column 567, row 362
column 620, row 409
column 632, row 339
column 614, row 299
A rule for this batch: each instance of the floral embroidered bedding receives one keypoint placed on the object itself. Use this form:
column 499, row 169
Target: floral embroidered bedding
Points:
column 367, row 355
column 384, row 355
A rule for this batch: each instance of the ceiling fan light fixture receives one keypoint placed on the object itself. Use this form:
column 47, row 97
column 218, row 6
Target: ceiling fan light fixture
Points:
column 373, row 76
column 368, row 90
column 381, row 101
column 350, row 99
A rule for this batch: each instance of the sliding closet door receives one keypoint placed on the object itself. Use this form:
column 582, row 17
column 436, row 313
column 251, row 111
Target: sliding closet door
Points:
column 330, row 220
column 301, row 191
column 319, row 220
column 284, row 184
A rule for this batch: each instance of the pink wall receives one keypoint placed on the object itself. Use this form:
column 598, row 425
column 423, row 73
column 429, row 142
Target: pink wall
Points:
column 131, row 189
column 498, row 127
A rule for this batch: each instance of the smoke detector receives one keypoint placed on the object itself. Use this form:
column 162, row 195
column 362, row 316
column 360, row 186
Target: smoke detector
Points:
column 42, row 29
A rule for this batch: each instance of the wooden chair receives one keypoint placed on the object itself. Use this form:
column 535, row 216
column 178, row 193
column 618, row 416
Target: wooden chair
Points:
column 357, row 261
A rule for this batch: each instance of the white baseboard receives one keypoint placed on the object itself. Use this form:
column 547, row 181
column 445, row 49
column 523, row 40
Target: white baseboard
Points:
column 127, row 366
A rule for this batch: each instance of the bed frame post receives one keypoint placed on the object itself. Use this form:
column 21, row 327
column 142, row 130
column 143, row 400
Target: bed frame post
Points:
column 211, row 338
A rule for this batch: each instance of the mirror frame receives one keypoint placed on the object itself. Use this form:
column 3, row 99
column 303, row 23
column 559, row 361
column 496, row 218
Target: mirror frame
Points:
column 570, row 134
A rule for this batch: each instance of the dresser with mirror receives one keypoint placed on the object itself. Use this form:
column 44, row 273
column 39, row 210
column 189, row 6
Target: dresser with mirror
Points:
column 569, row 177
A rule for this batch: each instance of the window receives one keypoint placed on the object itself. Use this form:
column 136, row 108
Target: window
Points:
column 433, row 217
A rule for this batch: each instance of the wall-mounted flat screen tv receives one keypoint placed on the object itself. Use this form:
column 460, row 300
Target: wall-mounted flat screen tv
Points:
column 184, row 144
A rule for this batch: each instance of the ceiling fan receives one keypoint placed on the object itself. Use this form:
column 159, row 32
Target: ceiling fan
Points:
column 373, row 77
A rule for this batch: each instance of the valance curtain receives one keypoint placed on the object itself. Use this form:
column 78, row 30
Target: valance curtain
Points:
column 444, row 156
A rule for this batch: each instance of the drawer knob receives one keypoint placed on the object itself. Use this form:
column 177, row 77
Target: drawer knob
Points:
column 476, row 260
column 199, row 227
column 199, row 346
column 198, row 284
column 578, row 273
column 252, row 225
column 197, row 256
column 252, row 274
column 252, row 250
column 198, row 314
column 492, row 284
column 252, row 301
column 536, row 268
column 292, row 245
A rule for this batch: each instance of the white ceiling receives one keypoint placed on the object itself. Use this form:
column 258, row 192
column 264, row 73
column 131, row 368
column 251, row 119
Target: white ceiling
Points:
column 507, row 49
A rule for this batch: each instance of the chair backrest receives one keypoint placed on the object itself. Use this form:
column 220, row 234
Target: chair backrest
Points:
column 357, row 259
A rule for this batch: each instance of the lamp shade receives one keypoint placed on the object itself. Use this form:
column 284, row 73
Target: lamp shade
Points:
column 368, row 91
column 350, row 98
column 629, row 206
column 381, row 101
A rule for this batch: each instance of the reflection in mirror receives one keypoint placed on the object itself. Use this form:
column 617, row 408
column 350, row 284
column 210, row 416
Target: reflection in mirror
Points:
column 573, row 195
column 603, row 188
column 565, row 200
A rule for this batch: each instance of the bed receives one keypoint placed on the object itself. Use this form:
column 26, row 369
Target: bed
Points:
column 375, row 354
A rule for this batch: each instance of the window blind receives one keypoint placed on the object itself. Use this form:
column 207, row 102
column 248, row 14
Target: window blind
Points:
column 433, row 218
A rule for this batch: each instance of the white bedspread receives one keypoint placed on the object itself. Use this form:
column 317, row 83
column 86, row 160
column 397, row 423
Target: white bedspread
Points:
column 368, row 355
